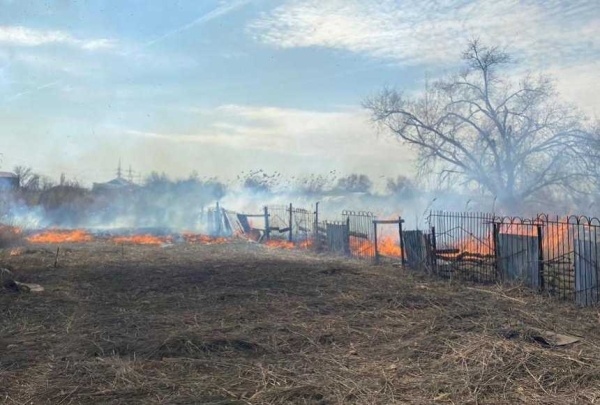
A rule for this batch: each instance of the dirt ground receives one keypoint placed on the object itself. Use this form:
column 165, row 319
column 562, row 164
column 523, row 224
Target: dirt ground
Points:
column 240, row 323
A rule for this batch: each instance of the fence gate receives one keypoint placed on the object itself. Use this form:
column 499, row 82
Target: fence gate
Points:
column 303, row 224
column 385, row 243
column 361, row 236
column 279, row 222
column 586, row 272
column 463, row 245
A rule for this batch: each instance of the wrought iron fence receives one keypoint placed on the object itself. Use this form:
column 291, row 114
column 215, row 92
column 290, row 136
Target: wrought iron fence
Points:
column 279, row 221
column 360, row 232
column 462, row 245
column 297, row 225
column 303, row 226
column 553, row 254
column 557, row 255
column 571, row 257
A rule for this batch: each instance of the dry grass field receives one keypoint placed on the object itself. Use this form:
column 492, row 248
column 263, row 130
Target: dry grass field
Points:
column 240, row 323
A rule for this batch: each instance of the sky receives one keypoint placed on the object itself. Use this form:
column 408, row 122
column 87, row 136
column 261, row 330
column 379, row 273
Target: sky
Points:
column 221, row 87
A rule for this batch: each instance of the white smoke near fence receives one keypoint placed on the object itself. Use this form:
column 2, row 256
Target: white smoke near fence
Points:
column 186, row 204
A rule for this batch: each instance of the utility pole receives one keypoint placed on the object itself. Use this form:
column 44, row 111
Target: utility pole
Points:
column 130, row 174
column 119, row 171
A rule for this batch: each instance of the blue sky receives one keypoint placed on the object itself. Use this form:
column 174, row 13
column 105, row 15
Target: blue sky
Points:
column 225, row 86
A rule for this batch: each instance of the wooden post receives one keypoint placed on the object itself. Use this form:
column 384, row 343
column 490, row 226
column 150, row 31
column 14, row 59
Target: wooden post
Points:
column 376, row 249
column 267, row 225
column 402, row 254
column 316, row 243
column 218, row 219
column 56, row 259
column 291, row 236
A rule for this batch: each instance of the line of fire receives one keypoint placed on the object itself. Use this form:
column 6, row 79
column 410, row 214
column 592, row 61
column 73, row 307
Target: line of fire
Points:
column 557, row 255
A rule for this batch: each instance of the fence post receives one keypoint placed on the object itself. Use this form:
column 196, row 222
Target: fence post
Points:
column 316, row 233
column 347, row 249
column 402, row 254
column 267, row 225
column 376, row 249
column 218, row 219
column 495, row 237
column 291, row 237
column 433, row 250
column 210, row 222
column 541, row 258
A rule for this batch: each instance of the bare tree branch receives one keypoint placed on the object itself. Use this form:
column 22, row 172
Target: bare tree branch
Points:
column 511, row 139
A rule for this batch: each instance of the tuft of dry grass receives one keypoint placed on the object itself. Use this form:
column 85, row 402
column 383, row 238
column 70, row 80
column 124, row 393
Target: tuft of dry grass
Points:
column 241, row 324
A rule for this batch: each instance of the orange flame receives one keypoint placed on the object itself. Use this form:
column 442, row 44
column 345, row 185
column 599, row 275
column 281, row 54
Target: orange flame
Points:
column 76, row 236
column 554, row 236
column 142, row 240
column 386, row 246
column 306, row 244
column 389, row 247
column 281, row 244
column 474, row 245
column 204, row 239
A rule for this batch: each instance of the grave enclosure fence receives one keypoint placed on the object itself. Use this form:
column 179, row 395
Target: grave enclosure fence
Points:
column 547, row 253
column 557, row 255
column 352, row 234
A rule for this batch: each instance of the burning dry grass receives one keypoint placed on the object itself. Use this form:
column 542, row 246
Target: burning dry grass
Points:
column 280, row 244
column 61, row 236
column 204, row 239
column 142, row 240
column 240, row 324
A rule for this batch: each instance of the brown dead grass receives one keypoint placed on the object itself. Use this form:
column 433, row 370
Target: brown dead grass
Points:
column 242, row 324
column 10, row 236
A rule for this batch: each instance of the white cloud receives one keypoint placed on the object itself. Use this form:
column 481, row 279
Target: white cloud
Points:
column 223, row 9
column 435, row 31
column 28, row 37
column 557, row 36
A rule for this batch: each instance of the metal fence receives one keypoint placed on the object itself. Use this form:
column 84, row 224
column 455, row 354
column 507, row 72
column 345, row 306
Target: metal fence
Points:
column 279, row 221
column 560, row 256
column 570, row 257
column 303, row 225
column 360, row 232
column 354, row 235
column 297, row 225
column 552, row 254
column 463, row 246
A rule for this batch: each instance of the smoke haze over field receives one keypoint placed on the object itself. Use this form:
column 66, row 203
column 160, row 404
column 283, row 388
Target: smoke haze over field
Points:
column 224, row 86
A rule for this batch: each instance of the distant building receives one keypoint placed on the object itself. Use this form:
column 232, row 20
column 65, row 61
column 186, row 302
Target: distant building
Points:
column 8, row 181
column 118, row 184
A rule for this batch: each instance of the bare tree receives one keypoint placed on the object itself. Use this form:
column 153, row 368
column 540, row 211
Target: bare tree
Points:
column 483, row 129
column 28, row 180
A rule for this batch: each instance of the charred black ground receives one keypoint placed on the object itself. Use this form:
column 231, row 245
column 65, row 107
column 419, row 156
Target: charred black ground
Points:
column 239, row 323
